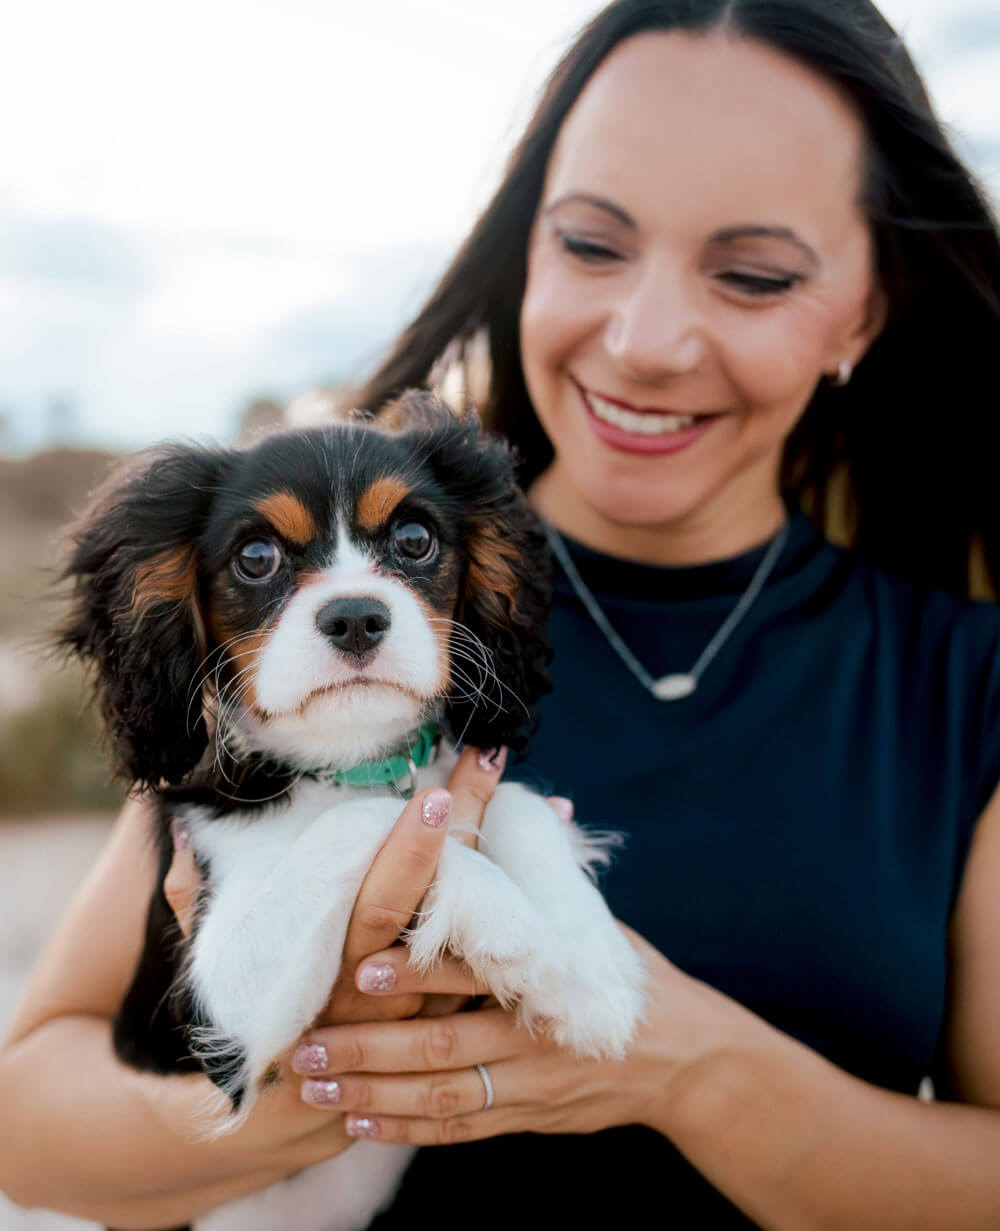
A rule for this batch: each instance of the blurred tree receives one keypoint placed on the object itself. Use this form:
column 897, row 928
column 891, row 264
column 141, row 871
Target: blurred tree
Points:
column 258, row 417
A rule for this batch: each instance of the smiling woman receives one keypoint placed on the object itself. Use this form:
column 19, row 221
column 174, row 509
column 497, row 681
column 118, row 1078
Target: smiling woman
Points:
column 685, row 285
column 737, row 292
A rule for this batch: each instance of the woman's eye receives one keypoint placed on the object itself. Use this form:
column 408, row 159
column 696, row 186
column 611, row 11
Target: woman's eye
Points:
column 760, row 284
column 413, row 540
column 586, row 250
column 257, row 560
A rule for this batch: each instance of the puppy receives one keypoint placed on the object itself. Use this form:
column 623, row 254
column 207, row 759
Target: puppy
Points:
column 288, row 639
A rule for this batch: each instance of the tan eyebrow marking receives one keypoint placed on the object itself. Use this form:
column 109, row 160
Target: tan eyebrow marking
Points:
column 377, row 502
column 289, row 516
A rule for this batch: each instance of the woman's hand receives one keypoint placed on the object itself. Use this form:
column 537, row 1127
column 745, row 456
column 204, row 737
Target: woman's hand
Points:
column 390, row 894
column 282, row 1131
column 417, row 1081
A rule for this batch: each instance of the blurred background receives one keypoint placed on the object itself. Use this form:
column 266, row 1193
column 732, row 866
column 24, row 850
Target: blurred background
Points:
column 208, row 210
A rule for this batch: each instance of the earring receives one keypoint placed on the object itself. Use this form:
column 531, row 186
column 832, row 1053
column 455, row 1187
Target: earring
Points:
column 845, row 369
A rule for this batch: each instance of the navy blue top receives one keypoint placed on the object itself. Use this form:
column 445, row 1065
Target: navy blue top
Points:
column 795, row 831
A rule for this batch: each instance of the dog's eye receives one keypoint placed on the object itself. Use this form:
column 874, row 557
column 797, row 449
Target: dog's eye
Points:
column 413, row 540
column 257, row 560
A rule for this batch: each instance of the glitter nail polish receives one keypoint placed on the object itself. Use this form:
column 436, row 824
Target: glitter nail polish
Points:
column 310, row 1058
column 361, row 1126
column 435, row 810
column 321, row 1093
column 377, row 978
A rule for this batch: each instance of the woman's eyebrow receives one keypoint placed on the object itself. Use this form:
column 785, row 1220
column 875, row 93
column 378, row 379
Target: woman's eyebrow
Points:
column 727, row 235
column 588, row 198
column 750, row 230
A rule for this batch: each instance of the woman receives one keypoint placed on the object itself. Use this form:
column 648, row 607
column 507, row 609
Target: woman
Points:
column 754, row 276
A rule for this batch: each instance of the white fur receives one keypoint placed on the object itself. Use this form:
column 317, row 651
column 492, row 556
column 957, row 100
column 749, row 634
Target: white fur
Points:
column 522, row 910
column 302, row 681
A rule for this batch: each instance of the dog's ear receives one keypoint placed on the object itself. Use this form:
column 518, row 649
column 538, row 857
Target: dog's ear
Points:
column 414, row 410
column 135, row 611
column 505, row 591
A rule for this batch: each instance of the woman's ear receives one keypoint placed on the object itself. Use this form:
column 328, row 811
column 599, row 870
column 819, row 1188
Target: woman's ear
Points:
column 135, row 612
column 853, row 347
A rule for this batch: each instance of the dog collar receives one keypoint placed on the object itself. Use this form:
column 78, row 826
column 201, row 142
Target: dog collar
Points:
column 387, row 771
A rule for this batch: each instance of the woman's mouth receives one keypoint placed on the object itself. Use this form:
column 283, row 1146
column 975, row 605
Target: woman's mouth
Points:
column 643, row 431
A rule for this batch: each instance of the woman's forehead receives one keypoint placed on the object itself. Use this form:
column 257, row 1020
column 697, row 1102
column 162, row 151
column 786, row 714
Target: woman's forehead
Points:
column 716, row 126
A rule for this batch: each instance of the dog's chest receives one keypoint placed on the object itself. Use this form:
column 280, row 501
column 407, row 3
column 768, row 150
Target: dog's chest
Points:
column 241, row 846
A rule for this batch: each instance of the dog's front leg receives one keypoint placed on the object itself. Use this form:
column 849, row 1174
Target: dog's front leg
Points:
column 585, row 979
column 268, row 945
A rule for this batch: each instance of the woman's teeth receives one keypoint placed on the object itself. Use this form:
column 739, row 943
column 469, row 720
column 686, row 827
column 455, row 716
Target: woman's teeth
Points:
column 635, row 421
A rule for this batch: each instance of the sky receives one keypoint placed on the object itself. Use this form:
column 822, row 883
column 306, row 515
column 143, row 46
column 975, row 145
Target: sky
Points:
column 209, row 201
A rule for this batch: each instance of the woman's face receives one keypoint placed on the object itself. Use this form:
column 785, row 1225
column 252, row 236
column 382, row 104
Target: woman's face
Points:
column 698, row 262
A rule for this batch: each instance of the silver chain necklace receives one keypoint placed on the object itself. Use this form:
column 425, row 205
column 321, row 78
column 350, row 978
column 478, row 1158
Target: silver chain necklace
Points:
column 680, row 684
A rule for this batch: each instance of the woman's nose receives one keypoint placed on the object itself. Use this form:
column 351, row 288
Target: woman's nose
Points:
column 653, row 329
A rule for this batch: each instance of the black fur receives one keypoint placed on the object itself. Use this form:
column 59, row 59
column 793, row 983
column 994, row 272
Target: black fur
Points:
column 150, row 561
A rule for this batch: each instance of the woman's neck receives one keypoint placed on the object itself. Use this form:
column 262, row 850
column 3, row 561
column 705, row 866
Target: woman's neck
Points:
column 698, row 538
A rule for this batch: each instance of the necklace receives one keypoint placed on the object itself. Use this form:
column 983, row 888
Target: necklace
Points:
column 680, row 684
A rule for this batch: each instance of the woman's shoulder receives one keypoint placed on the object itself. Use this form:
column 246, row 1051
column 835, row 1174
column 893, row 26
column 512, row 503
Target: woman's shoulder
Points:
column 933, row 607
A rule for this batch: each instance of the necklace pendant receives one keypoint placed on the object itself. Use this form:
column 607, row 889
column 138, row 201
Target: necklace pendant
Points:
column 674, row 687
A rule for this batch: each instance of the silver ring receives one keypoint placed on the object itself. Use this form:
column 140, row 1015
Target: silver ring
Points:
column 487, row 1086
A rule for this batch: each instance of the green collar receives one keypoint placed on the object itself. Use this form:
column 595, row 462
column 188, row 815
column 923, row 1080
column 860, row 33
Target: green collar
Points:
column 387, row 771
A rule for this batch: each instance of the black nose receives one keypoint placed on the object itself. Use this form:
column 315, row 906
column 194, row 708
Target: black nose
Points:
column 354, row 625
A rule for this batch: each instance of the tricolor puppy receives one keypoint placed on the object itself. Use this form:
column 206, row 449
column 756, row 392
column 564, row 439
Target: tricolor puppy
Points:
column 287, row 639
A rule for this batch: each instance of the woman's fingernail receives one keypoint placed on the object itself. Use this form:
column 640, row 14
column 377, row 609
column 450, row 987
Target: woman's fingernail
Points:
column 377, row 978
column 321, row 1093
column 310, row 1058
column 562, row 807
column 435, row 809
column 361, row 1126
column 179, row 835
column 492, row 760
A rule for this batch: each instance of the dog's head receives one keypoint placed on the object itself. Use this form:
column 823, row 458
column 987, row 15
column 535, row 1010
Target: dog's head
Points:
column 315, row 597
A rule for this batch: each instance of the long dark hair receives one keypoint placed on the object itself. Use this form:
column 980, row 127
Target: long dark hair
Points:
column 902, row 460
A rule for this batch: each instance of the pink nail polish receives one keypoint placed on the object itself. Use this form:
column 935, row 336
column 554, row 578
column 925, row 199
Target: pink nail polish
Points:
column 310, row 1058
column 436, row 807
column 563, row 808
column 377, row 978
column 361, row 1126
column 491, row 760
column 321, row 1093
column 179, row 835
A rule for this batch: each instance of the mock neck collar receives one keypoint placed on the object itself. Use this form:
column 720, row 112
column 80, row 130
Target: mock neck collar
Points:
column 609, row 574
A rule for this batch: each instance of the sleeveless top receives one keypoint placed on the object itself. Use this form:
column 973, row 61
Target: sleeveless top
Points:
column 795, row 834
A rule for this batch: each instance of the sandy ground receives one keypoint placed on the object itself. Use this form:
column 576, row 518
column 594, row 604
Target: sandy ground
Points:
column 41, row 864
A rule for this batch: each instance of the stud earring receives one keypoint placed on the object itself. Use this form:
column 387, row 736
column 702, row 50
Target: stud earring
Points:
column 845, row 369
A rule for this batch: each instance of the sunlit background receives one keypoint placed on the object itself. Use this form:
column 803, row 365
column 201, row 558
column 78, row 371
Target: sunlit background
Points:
column 211, row 201
column 207, row 208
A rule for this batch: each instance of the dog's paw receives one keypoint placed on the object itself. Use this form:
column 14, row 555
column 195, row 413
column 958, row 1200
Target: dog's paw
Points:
column 476, row 912
column 589, row 1000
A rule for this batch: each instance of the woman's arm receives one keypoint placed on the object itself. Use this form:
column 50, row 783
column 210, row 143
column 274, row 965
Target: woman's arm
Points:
column 787, row 1136
column 798, row 1143
column 81, row 1132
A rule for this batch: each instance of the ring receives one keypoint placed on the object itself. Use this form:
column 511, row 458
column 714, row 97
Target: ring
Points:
column 487, row 1086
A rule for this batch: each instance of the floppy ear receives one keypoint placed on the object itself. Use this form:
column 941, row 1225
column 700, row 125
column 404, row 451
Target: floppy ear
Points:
column 505, row 590
column 136, row 614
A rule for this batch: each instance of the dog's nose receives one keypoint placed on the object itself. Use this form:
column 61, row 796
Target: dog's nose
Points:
column 354, row 625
